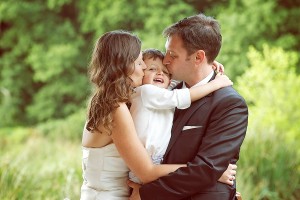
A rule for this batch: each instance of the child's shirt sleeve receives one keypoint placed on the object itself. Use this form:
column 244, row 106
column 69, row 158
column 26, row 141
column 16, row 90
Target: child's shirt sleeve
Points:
column 154, row 97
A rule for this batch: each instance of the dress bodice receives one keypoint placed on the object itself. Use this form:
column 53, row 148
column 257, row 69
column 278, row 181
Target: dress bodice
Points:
column 104, row 173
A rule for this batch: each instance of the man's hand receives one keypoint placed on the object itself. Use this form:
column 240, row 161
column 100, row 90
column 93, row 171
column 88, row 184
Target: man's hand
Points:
column 135, row 195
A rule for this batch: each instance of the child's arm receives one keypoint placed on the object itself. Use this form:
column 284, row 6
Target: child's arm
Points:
column 199, row 92
column 158, row 98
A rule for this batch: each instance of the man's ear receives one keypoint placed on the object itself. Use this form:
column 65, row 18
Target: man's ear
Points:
column 200, row 56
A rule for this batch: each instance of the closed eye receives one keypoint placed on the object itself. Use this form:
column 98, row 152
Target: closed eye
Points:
column 166, row 73
column 152, row 69
column 172, row 54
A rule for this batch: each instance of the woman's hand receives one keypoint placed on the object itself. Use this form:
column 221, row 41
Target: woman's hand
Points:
column 229, row 175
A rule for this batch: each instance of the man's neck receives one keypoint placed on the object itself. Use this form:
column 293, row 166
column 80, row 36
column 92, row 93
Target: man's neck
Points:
column 199, row 76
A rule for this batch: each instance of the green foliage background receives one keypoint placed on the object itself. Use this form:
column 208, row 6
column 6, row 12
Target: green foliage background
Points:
column 45, row 47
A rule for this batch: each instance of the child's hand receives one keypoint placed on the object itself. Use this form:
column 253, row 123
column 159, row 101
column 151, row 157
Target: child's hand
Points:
column 228, row 176
column 218, row 67
column 222, row 80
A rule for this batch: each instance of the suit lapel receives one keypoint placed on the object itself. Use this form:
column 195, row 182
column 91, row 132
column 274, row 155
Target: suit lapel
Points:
column 181, row 120
column 183, row 116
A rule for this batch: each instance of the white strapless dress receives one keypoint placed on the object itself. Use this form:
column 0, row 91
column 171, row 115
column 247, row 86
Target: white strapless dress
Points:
column 104, row 174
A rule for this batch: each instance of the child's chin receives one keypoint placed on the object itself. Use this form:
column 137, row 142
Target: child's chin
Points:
column 160, row 85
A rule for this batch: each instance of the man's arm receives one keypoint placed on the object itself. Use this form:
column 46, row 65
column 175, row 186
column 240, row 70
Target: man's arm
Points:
column 221, row 143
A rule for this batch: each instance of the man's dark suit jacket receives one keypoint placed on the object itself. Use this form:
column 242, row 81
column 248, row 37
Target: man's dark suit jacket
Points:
column 207, row 136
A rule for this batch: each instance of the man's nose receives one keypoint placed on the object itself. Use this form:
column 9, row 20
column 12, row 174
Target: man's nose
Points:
column 166, row 60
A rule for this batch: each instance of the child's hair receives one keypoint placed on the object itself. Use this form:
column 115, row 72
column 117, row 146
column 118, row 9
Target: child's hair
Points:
column 153, row 53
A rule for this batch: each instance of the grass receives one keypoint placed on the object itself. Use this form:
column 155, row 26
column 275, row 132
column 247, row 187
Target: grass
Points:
column 47, row 166
column 39, row 168
column 269, row 168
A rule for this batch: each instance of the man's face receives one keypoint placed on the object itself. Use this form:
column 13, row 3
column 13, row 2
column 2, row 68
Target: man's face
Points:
column 156, row 73
column 178, row 62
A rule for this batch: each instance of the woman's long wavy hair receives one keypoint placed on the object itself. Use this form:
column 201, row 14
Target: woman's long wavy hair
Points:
column 111, row 64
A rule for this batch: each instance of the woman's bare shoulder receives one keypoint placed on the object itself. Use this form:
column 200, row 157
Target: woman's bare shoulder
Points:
column 123, row 122
column 122, row 110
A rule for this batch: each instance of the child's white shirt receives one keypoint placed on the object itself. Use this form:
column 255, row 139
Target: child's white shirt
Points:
column 152, row 110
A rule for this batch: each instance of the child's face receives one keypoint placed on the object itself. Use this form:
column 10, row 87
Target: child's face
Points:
column 156, row 73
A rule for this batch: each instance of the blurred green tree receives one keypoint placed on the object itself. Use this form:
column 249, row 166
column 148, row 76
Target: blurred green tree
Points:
column 145, row 18
column 45, row 45
column 255, row 23
column 45, row 48
column 271, row 88
column 43, row 61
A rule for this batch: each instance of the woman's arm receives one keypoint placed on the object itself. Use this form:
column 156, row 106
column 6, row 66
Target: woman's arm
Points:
column 131, row 149
column 201, row 91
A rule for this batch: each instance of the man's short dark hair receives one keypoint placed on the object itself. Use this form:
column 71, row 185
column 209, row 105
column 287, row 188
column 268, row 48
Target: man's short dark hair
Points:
column 198, row 32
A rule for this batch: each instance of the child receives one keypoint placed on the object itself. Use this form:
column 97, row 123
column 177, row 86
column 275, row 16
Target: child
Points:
column 153, row 105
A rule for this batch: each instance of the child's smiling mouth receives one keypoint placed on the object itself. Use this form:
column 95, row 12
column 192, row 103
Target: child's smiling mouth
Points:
column 159, row 80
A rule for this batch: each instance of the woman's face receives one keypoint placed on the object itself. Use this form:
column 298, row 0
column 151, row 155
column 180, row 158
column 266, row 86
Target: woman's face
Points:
column 138, row 73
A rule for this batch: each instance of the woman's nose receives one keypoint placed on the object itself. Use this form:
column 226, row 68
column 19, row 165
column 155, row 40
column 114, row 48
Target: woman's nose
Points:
column 144, row 66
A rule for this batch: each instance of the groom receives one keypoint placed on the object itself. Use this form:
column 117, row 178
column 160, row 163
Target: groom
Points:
column 208, row 135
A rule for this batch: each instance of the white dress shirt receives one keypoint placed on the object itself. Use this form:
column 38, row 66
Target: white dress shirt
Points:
column 202, row 82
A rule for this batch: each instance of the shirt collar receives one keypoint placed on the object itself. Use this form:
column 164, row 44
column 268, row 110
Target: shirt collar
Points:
column 202, row 82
